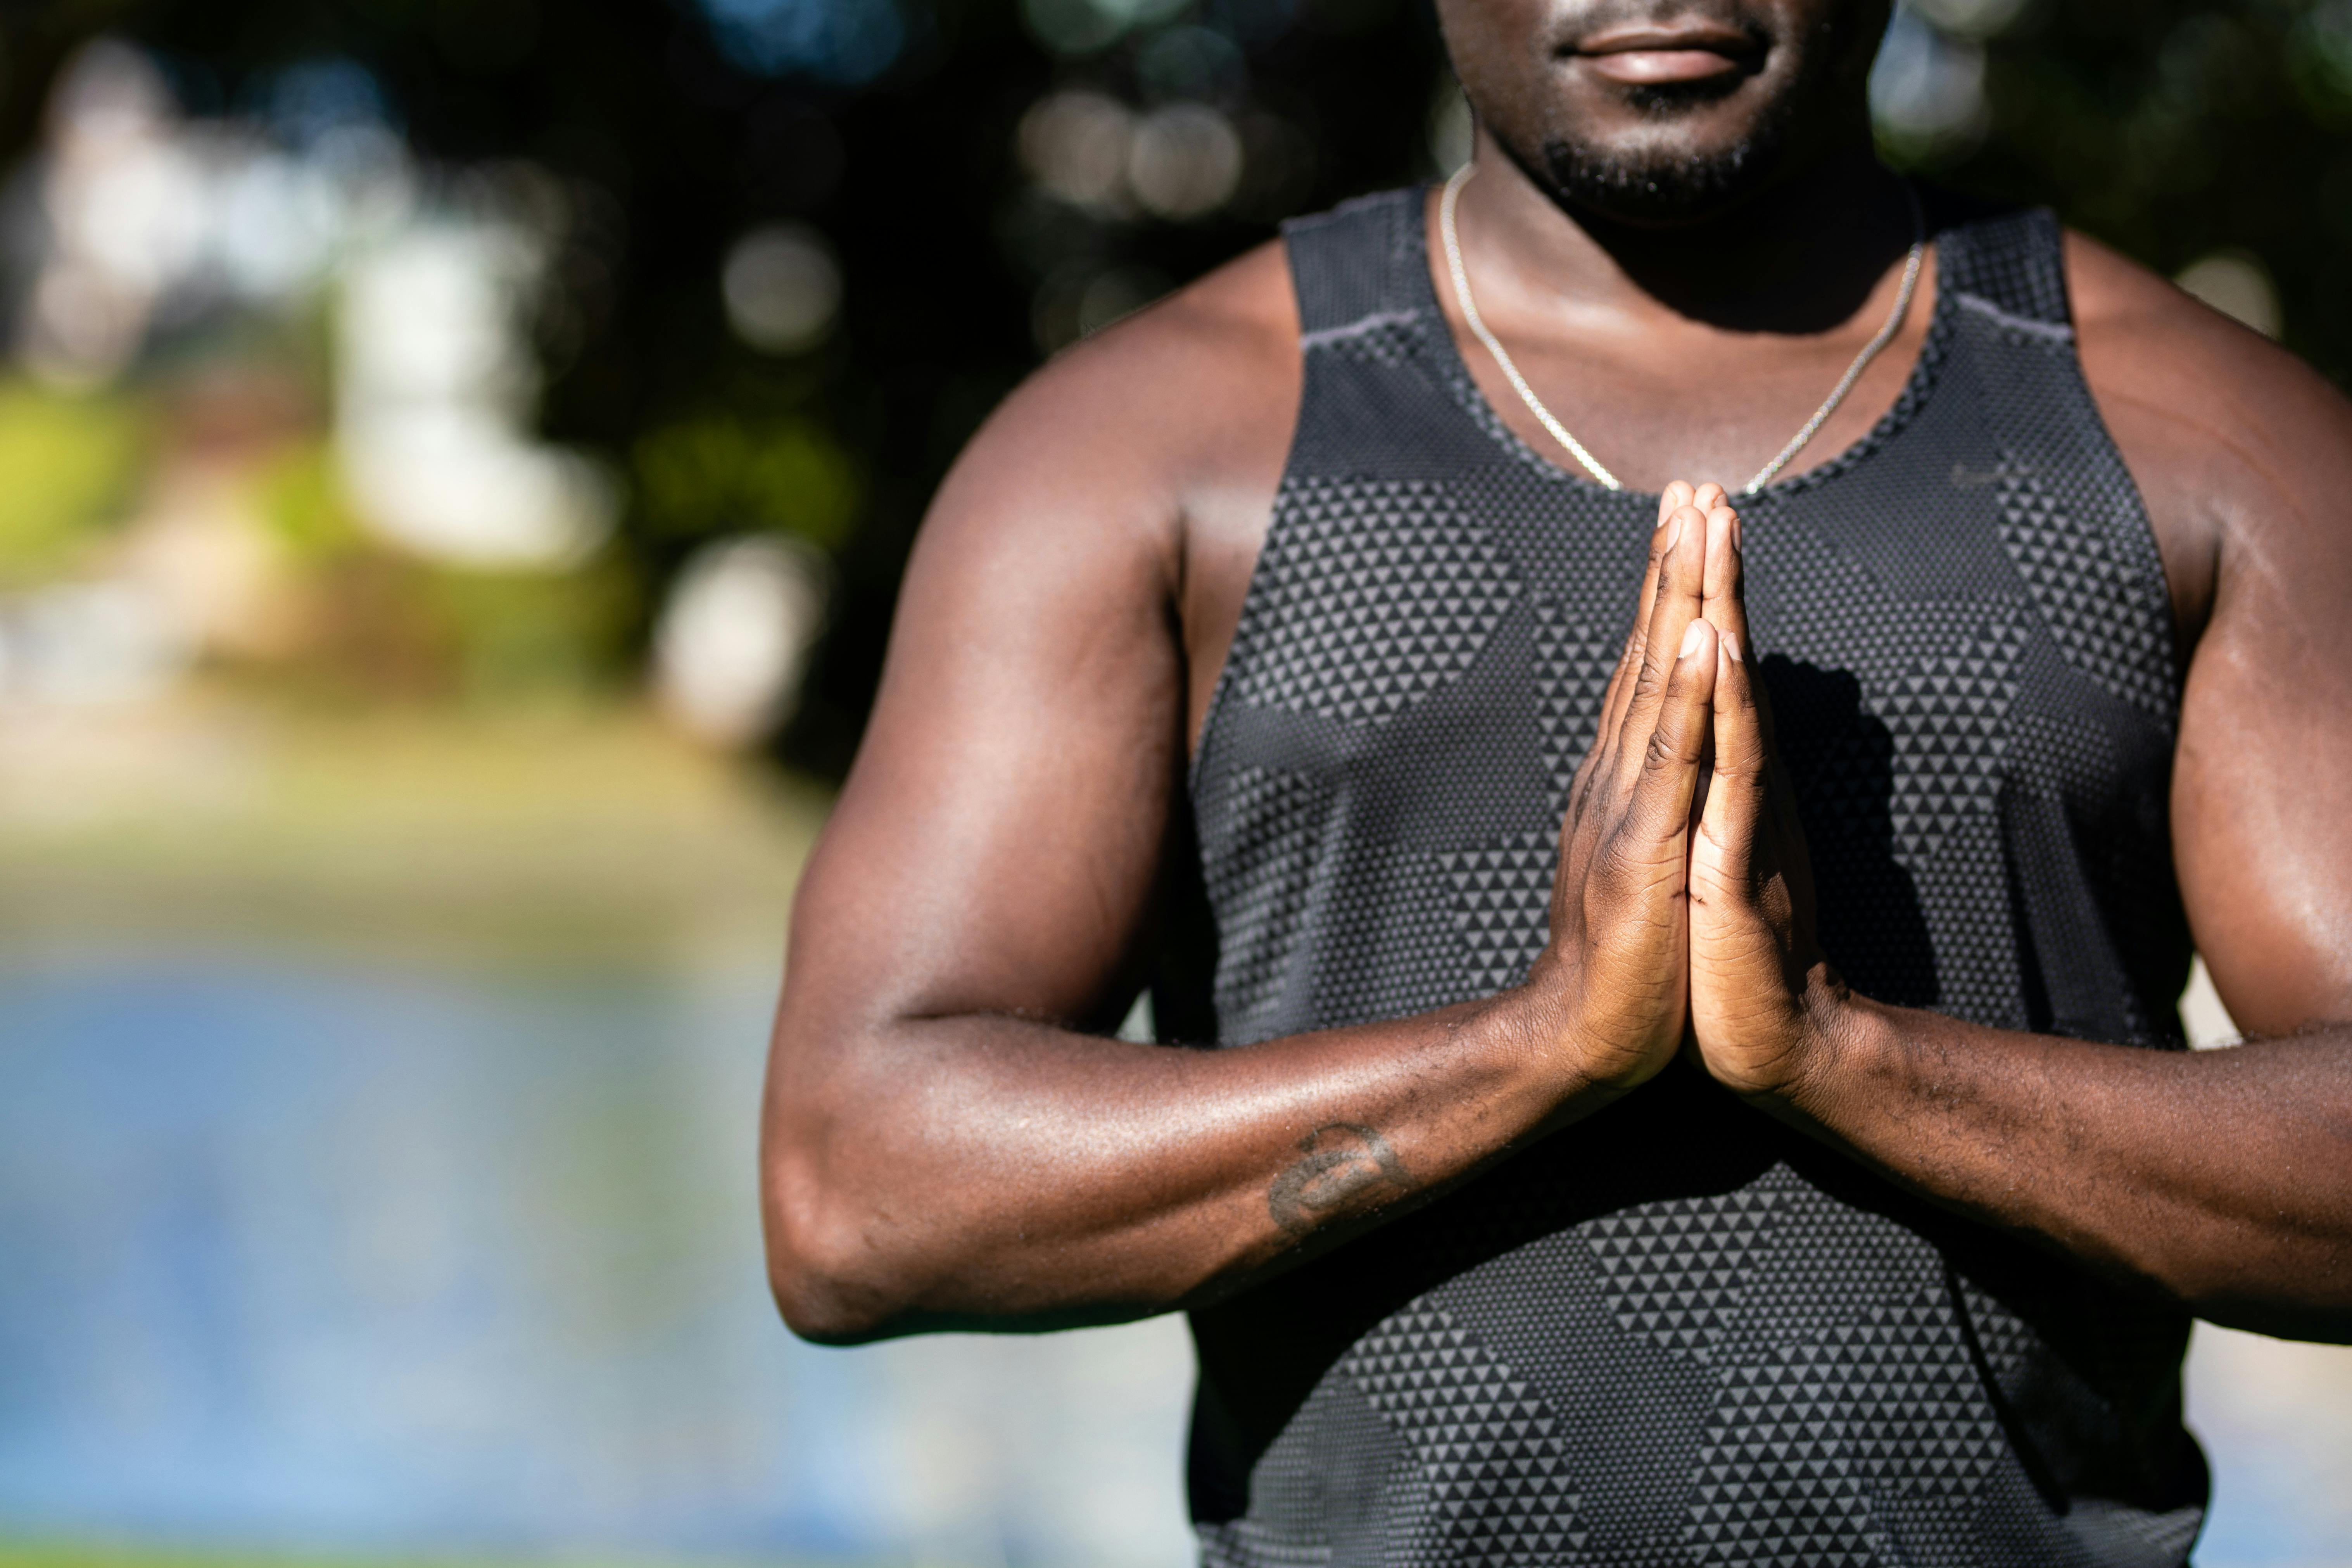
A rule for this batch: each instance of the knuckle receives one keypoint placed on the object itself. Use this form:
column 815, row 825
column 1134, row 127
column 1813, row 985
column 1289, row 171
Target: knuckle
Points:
column 1735, row 770
column 1649, row 682
column 1611, row 874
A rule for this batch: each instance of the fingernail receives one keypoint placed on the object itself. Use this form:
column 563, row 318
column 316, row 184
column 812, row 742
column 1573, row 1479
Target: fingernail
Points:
column 1694, row 635
column 1674, row 527
column 1731, row 647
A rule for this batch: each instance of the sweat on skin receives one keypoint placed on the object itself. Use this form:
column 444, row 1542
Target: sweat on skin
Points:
column 951, row 1141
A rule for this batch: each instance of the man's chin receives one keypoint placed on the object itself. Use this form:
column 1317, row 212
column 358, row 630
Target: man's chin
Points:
column 1654, row 189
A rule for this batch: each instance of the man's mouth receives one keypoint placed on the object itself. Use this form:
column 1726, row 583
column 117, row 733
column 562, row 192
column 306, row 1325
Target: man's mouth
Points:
column 1647, row 55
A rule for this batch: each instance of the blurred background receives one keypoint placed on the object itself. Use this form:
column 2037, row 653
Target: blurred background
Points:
column 456, row 459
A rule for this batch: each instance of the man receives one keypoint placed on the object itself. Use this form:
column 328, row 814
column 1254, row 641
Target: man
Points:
column 1653, row 1123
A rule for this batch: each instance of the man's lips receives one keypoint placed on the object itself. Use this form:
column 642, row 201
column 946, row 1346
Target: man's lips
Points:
column 1641, row 56
column 1640, row 67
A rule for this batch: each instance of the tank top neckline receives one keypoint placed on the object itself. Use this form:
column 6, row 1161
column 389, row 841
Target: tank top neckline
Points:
column 1455, row 373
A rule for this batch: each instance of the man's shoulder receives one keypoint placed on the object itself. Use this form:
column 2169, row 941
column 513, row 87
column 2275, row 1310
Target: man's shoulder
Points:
column 1192, row 396
column 2145, row 337
column 2227, row 435
column 1198, row 351
column 1125, row 439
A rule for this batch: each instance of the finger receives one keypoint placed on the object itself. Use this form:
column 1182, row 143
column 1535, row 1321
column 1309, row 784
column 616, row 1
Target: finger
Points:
column 1710, row 499
column 1676, row 495
column 1600, row 759
column 1734, row 813
column 1726, row 603
column 1660, row 811
column 1629, row 662
column 1681, row 574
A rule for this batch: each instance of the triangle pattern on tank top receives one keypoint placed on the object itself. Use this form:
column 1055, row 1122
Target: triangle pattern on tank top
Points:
column 1751, row 1368
column 1495, row 1455
column 1502, row 902
column 1372, row 594
column 1802, row 1440
column 1573, row 664
column 2076, row 582
column 1247, row 874
column 1947, row 716
column 1676, row 1273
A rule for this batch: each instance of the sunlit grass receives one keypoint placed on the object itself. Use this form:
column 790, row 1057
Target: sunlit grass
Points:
column 581, row 830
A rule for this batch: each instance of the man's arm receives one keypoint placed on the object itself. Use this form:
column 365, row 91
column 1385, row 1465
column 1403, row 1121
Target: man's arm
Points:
column 2222, row 1178
column 945, row 1142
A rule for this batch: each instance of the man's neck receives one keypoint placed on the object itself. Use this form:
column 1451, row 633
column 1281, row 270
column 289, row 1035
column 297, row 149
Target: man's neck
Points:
column 1801, row 257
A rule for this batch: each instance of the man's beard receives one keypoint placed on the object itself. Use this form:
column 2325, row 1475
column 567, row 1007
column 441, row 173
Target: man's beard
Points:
column 1660, row 186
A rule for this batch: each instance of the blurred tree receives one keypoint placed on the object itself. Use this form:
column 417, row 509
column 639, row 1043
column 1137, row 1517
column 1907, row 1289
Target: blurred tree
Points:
column 676, row 129
column 903, row 145
column 66, row 465
column 2175, row 129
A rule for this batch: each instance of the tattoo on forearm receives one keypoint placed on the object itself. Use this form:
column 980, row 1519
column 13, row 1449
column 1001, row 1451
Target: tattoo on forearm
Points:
column 1344, row 1162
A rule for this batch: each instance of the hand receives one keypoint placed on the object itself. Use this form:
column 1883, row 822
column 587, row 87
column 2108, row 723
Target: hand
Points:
column 1612, row 987
column 1764, row 1005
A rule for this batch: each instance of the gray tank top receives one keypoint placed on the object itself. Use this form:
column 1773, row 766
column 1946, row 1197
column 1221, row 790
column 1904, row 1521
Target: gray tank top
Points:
column 1677, row 1332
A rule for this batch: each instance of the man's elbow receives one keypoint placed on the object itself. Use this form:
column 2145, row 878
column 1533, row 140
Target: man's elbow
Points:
column 832, row 1280
column 823, row 1311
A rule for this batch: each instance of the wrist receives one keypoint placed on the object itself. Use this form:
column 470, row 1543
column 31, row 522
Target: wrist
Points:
column 1839, row 1036
column 1569, row 1052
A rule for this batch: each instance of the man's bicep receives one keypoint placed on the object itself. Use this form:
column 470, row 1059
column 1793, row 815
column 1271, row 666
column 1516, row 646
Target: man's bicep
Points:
column 2262, row 788
column 995, row 847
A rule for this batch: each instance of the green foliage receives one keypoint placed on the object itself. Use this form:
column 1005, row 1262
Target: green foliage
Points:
column 515, row 635
column 2175, row 129
column 302, row 498
column 385, row 625
column 384, row 622
column 69, row 467
column 723, row 473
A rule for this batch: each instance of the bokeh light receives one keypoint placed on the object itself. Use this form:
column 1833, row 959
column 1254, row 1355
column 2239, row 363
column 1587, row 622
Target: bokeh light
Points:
column 847, row 41
column 1080, row 26
column 782, row 286
column 1184, row 161
column 734, row 635
column 1074, row 144
column 1927, row 89
column 2236, row 284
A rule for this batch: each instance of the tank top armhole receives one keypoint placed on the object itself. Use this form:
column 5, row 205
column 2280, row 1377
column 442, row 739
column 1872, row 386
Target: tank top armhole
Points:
column 1343, row 264
column 1342, row 280
column 2010, row 267
column 2013, row 269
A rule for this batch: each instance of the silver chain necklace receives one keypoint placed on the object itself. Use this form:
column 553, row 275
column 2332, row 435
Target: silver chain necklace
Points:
column 1559, row 432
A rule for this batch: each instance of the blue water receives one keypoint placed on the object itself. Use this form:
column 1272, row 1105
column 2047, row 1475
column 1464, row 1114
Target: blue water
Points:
column 370, row 1254
column 385, row 1254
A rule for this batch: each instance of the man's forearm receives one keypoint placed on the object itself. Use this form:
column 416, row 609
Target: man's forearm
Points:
column 993, row 1171
column 2223, row 1178
column 937, row 1152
